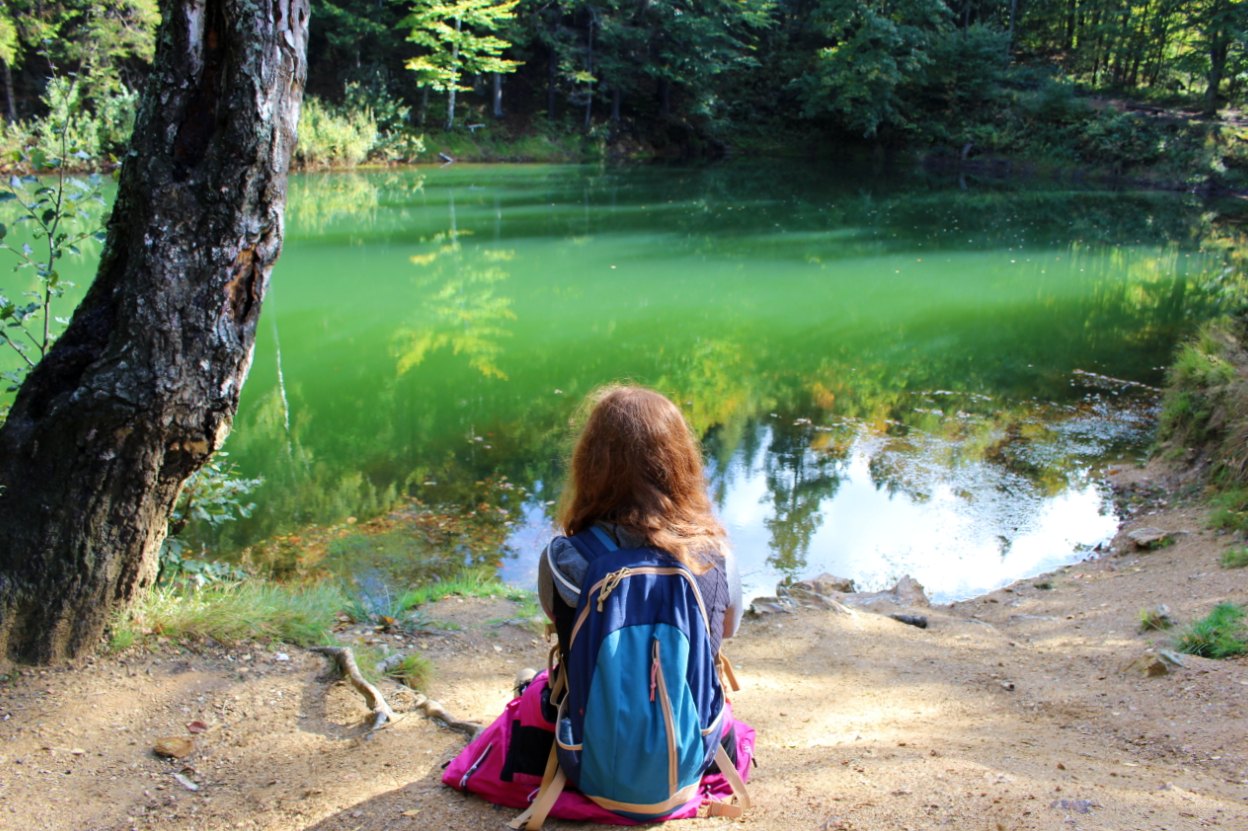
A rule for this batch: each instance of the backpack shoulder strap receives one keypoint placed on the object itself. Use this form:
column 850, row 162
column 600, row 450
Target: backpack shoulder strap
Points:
column 553, row 781
column 593, row 543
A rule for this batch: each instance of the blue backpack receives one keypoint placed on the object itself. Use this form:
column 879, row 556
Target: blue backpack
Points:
column 642, row 717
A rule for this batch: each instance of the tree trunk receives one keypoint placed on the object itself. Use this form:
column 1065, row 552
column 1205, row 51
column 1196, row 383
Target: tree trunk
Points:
column 450, row 95
column 552, row 79
column 617, row 98
column 498, row 94
column 1219, row 45
column 8, row 91
column 143, row 386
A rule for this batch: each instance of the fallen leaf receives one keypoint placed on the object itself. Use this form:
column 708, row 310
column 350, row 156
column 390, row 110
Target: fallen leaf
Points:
column 175, row 747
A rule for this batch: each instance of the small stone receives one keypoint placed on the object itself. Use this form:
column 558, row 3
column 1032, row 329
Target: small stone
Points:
column 1079, row 806
column 281, row 656
column 78, row 751
column 186, row 783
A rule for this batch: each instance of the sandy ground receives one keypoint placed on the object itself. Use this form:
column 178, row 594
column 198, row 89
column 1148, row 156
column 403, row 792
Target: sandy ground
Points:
column 1009, row 712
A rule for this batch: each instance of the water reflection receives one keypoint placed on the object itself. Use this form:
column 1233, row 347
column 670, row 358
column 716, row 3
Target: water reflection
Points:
column 857, row 353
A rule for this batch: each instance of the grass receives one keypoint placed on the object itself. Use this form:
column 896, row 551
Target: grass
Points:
column 1152, row 620
column 1230, row 510
column 1235, row 557
column 474, row 583
column 415, row 671
column 1216, row 636
column 247, row 611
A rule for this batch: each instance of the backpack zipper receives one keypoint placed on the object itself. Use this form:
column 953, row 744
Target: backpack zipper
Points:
column 463, row 783
column 610, row 582
column 665, row 703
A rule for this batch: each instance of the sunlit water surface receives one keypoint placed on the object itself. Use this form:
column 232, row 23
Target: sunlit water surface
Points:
column 888, row 370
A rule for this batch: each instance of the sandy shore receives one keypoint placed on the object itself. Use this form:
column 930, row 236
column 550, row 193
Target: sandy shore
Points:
column 1010, row 711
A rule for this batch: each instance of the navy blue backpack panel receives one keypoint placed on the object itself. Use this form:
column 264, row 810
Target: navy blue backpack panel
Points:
column 642, row 717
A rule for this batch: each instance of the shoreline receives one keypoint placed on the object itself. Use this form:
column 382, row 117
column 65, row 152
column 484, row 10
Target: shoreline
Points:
column 1025, row 708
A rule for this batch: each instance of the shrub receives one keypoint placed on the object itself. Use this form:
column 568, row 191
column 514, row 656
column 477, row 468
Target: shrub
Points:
column 329, row 137
column 1216, row 636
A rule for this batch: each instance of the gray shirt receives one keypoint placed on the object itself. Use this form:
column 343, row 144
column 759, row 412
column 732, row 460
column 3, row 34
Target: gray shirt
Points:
column 562, row 569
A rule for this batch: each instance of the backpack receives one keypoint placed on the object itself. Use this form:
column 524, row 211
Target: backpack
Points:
column 642, row 717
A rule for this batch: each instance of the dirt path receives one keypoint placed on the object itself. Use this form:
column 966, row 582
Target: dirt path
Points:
column 1008, row 712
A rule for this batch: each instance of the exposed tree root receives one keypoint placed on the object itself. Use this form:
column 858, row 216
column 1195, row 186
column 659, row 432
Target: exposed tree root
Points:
column 434, row 710
column 344, row 659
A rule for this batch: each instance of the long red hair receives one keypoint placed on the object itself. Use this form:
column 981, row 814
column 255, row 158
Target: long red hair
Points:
column 637, row 464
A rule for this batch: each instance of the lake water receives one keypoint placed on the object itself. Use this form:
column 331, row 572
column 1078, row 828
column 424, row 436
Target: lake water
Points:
column 889, row 371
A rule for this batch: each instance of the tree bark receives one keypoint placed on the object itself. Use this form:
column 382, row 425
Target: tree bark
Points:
column 1219, row 45
column 143, row 386
column 8, row 91
column 497, row 94
column 450, row 95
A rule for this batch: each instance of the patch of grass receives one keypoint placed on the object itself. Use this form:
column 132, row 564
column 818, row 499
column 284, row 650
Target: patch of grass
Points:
column 1230, row 510
column 473, row 583
column 415, row 671
column 1235, row 557
column 299, row 615
column 1219, row 635
column 121, row 635
column 1152, row 620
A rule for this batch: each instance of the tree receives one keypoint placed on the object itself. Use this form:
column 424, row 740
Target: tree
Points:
column 455, row 32
column 8, row 55
column 143, row 386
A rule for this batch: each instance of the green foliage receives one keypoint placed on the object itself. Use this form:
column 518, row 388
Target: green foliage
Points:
column 329, row 136
column 61, row 214
column 212, row 496
column 253, row 610
column 1219, row 635
column 1235, row 557
column 1230, row 509
column 1196, row 388
column 874, row 53
column 458, row 37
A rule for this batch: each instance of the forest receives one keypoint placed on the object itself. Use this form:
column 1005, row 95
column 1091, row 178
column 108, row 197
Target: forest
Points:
column 1112, row 84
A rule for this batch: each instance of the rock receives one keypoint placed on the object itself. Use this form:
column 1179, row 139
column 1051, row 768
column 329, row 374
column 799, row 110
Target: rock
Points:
column 281, row 656
column 174, row 747
column 825, row 584
column 907, row 593
column 387, row 664
column 911, row 620
column 1079, row 806
column 1147, row 664
column 1150, row 538
column 770, row 606
column 910, row 592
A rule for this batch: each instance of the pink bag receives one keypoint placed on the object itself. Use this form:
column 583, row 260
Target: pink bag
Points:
column 505, row 763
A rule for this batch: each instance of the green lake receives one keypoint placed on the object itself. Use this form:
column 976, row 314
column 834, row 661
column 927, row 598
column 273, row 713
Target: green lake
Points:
column 892, row 372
